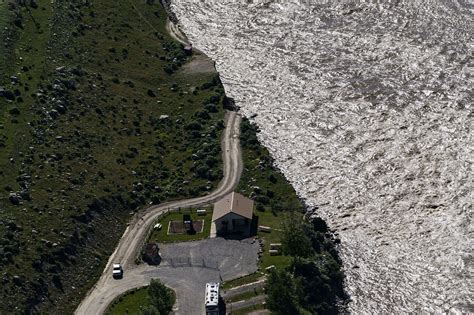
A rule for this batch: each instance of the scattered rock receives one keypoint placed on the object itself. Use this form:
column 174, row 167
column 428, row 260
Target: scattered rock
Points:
column 24, row 194
column 60, row 108
column 17, row 280
column 70, row 84
column 14, row 111
column 78, row 71
column 257, row 189
column 54, row 113
column 14, row 198
column 58, row 88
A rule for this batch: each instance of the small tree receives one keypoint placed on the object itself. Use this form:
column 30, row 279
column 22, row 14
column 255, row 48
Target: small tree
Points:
column 150, row 310
column 294, row 239
column 161, row 297
column 282, row 293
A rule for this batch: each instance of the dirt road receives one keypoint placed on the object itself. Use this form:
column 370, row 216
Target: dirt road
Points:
column 176, row 33
column 106, row 289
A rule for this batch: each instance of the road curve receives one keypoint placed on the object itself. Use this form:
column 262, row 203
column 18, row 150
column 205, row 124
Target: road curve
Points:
column 176, row 33
column 106, row 289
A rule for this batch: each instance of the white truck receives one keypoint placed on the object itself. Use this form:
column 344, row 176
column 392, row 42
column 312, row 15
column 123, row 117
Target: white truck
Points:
column 117, row 271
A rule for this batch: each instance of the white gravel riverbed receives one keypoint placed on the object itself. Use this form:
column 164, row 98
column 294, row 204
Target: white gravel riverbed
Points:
column 367, row 109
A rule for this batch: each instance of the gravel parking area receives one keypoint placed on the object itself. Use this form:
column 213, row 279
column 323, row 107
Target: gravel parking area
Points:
column 186, row 267
column 231, row 258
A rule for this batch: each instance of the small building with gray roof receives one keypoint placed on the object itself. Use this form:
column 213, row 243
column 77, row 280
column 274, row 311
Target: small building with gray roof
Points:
column 232, row 215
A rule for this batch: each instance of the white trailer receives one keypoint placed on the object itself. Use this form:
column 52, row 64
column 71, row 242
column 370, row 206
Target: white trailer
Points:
column 212, row 298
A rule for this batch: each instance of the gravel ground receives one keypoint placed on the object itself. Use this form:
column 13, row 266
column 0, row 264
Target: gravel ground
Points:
column 187, row 267
column 232, row 259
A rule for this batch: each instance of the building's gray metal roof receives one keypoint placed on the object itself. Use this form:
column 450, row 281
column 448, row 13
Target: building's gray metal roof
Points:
column 235, row 203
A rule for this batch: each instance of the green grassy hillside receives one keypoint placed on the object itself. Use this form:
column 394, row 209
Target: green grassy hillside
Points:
column 98, row 119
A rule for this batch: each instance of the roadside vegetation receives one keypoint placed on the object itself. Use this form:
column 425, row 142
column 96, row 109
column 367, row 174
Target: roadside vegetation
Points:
column 155, row 299
column 97, row 120
column 261, row 180
column 313, row 283
column 130, row 302
column 273, row 194
column 248, row 310
column 243, row 280
column 246, row 295
column 306, row 276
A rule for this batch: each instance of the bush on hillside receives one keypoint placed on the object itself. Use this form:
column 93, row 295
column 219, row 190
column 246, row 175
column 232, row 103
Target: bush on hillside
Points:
column 161, row 298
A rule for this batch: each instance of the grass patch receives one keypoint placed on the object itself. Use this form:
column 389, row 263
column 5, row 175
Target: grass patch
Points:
column 132, row 302
column 261, row 179
column 248, row 310
column 246, row 295
column 162, row 236
column 5, row 19
column 273, row 220
column 25, row 45
column 242, row 280
column 272, row 193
